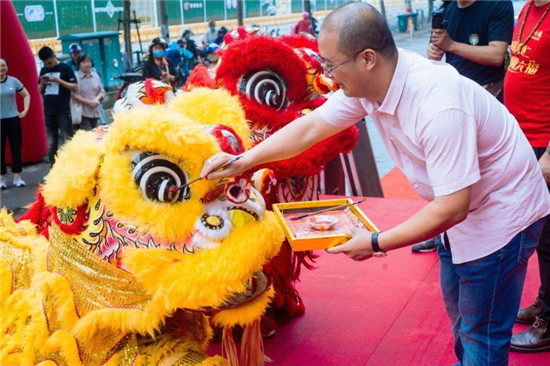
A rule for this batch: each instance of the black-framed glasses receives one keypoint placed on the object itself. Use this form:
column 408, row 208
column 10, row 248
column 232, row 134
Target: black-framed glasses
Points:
column 329, row 70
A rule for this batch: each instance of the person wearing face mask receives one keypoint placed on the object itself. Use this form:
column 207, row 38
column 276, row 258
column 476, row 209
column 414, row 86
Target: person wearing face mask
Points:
column 191, row 46
column 211, row 34
column 90, row 92
column 157, row 66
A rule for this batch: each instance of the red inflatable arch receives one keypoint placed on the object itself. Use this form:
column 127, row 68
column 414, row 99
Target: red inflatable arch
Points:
column 16, row 50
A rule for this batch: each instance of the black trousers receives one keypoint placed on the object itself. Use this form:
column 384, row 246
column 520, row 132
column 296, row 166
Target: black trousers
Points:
column 11, row 130
column 543, row 253
column 54, row 124
column 88, row 123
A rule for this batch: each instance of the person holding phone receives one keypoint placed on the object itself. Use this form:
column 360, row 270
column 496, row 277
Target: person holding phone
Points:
column 56, row 82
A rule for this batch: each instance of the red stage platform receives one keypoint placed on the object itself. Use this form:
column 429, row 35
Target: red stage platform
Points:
column 383, row 311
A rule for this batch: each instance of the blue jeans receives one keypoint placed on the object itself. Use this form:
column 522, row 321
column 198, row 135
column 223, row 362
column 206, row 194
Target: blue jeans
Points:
column 482, row 298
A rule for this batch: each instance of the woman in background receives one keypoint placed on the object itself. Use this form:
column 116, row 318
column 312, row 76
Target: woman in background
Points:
column 90, row 92
column 11, row 122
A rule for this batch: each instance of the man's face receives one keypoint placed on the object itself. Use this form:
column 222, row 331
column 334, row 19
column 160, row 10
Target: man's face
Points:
column 51, row 62
column 344, row 69
column 75, row 55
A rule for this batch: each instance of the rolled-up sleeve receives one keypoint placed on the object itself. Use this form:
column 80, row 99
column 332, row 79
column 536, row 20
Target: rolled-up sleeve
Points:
column 341, row 111
column 449, row 142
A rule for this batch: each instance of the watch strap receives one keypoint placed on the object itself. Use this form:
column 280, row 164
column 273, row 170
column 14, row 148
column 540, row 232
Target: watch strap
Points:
column 374, row 242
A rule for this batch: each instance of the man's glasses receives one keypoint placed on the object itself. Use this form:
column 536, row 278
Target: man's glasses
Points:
column 329, row 70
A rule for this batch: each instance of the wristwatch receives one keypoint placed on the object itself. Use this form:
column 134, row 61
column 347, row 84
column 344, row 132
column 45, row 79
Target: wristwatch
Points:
column 376, row 252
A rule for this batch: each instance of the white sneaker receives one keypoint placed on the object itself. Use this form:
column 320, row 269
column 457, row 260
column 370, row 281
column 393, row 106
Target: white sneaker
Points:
column 3, row 184
column 18, row 182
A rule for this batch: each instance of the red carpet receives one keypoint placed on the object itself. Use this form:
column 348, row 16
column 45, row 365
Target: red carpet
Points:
column 383, row 311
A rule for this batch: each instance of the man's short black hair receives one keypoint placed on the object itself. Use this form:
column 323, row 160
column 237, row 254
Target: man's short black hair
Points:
column 360, row 26
column 45, row 53
column 6, row 61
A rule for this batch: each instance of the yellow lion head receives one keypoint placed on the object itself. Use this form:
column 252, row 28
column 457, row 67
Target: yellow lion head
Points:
column 137, row 249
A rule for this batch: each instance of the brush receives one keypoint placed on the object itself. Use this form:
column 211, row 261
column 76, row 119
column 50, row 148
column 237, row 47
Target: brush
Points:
column 326, row 209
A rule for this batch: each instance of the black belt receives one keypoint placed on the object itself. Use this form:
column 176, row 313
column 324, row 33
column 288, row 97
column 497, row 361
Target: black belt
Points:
column 446, row 243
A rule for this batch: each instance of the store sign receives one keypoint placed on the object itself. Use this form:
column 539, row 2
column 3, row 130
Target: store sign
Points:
column 187, row 5
column 34, row 13
column 110, row 9
column 231, row 4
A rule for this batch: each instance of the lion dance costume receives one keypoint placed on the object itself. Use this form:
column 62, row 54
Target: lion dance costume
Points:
column 278, row 80
column 137, row 264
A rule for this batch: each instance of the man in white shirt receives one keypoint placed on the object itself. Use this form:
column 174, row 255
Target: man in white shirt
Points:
column 460, row 149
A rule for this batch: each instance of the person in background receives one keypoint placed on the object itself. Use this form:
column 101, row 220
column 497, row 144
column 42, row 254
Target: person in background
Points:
column 271, row 10
column 313, row 24
column 56, row 81
column 221, row 33
column 476, row 40
column 74, row 50
column 211, row 58
column 462, row 151
column 157, row 66
column 191, row 46
column 475, row 43
column 527, row 97
column 90, row 92
column 10, row 124
column 303, row 26
column 211, row 34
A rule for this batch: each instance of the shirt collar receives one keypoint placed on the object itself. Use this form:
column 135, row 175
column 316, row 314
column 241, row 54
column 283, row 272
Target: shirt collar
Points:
column 83, row 75
column 397, row 85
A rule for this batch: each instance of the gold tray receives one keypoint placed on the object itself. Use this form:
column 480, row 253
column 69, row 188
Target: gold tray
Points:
column 302, row 236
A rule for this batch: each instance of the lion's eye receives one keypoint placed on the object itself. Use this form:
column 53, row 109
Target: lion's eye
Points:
column 266, row 87
column 158, row 178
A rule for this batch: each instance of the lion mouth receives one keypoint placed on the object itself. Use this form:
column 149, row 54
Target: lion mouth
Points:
column 254, row 215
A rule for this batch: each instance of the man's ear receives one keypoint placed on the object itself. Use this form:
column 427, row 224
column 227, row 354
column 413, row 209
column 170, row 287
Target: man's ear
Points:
column 370, row 58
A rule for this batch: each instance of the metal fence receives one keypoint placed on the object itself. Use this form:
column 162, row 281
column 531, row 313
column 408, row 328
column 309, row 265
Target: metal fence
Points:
column 55, row 18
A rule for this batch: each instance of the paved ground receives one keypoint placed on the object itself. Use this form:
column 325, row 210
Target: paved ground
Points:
column 16, row 199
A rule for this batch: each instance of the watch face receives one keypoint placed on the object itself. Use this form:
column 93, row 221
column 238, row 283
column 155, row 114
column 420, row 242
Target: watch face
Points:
column 379, row 254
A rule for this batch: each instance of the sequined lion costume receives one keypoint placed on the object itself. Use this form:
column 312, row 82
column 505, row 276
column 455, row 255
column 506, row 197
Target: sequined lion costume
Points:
column 278, row 80
column 137, row 264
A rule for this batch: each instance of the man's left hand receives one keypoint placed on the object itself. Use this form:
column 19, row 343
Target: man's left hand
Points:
column 358, row 247
column 441, row 39
column 544, row 163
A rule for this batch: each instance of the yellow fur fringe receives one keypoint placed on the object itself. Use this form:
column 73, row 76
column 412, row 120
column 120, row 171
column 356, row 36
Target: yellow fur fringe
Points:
column 60, row 298
column 71, row 180
column 245, row 314
column 6, row 282
column 213, row 107
column 122, row 320
column 64, row 343
column 160, row 271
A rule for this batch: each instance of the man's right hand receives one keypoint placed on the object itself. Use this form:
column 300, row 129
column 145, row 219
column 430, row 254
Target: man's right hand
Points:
column 212, row 164
column 434, row 52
